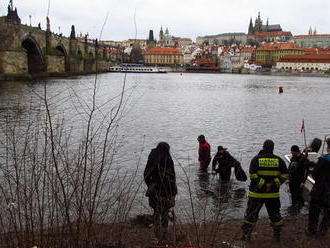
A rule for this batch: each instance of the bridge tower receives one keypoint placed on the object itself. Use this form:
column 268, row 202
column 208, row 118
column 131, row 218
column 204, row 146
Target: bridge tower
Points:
column 12, row 16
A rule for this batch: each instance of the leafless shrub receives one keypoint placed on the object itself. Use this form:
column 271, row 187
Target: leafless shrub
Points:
column 56, row 187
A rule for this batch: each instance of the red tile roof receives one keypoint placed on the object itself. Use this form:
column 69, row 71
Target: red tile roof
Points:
column 163, row 51
column 280, row 46
column 248, row 49
column 309, row 58
column 204, row 61
column 272, row 34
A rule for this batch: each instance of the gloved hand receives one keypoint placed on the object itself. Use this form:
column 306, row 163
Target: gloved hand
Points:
column 269, row 187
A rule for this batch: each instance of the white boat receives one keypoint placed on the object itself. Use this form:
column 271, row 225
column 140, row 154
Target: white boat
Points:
column 136, row 68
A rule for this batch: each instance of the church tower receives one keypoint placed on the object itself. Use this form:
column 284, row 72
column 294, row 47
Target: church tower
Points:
column 161, row 34
column 251, row 29
column 258, row 24
column 151, row 42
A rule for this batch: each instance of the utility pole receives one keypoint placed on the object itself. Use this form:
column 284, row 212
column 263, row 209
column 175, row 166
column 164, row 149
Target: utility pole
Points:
column 30, row 20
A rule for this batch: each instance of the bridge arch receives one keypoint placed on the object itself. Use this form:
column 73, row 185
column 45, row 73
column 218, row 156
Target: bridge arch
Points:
column 79, row 54
column 91, row 55
column 62, row 52
column 36, row 60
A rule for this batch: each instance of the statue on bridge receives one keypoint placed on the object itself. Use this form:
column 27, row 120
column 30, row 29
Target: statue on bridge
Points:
column 73, row 32
column 12, row 16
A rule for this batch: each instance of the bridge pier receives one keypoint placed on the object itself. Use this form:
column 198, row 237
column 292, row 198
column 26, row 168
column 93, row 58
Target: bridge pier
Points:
column 13, row 62
column 55, row 64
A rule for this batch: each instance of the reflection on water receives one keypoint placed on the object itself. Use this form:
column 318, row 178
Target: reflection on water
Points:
column 226, row 195
column 236, row 111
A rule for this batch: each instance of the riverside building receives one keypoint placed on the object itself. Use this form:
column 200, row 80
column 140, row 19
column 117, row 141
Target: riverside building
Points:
column 164, row 56
column 310, row 62
column 270, row 53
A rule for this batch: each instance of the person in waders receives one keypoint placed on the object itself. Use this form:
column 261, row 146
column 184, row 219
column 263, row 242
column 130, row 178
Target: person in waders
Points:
column 204, row 153
column 159, row 175
column 267, row 173
column 222, row 163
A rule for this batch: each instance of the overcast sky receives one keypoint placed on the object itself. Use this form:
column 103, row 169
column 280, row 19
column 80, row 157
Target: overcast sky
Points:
column 184, row 18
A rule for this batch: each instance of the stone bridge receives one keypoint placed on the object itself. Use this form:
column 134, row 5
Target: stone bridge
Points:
column 30, row 50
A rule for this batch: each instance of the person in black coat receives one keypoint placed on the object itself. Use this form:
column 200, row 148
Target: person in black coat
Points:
column 298, row 170
column 159, row 175
column 223, row 162
column 320, row 196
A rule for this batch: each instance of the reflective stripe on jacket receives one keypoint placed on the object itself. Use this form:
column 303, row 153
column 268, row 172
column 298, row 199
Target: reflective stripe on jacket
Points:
column 267, row 169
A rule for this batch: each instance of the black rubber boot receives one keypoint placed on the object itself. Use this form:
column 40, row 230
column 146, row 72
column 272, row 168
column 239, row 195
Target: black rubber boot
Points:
column 247, row 231
column 277, row 234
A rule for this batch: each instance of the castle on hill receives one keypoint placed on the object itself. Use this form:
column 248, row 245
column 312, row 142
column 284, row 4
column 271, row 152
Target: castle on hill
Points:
column 259, row 27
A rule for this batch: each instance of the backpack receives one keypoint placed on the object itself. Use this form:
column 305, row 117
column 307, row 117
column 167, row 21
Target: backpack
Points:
column 239, row 172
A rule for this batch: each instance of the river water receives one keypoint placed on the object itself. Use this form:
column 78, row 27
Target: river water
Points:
column 236, row 111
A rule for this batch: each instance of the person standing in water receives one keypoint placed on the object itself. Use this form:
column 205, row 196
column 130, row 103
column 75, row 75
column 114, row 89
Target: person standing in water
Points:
column 204, row 153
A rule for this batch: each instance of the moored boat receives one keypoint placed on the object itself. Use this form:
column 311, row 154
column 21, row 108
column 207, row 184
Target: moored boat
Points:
column 136, row 68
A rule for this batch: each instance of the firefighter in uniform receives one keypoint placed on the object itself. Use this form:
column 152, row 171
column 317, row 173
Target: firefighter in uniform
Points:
column 267, row 173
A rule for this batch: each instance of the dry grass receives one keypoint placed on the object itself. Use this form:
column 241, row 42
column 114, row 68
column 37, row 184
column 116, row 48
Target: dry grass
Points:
column 228, row 235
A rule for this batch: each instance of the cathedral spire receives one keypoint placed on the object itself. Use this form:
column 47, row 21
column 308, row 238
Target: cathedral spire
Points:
column 251, row 29
column 11, row 4
column 258, row 24
column 310, row 31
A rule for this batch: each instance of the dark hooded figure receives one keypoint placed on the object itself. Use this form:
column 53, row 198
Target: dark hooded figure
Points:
column 222, row 163
column 159, row 176
column 320, row 196
column 298, row 171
